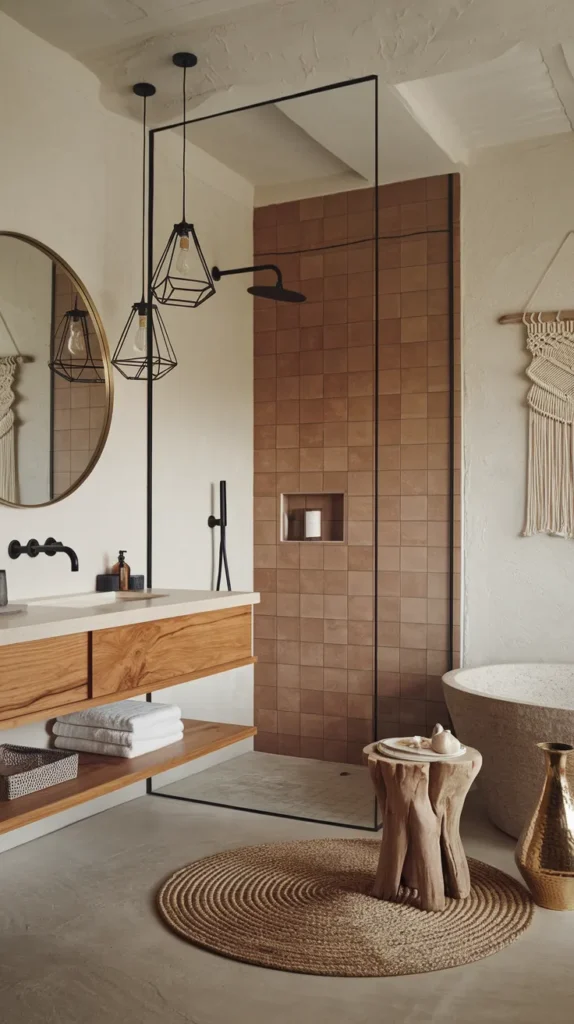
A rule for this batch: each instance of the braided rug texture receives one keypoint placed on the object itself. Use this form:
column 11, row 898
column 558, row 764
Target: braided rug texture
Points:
column 306, row 907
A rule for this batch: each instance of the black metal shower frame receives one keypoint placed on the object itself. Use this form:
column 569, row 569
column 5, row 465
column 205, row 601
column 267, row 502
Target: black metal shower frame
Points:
column 153, row 132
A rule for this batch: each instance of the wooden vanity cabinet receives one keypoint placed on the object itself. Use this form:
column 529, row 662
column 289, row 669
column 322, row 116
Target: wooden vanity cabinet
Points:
column 43, row 675
column 150, row 655
column 40, row 679
column 44, row 678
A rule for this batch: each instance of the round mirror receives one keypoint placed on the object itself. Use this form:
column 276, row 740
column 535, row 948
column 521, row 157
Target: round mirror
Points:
column 55, row 376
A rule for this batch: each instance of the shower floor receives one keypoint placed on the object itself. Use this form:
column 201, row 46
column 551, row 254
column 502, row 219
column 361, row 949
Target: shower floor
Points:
column 299, row 786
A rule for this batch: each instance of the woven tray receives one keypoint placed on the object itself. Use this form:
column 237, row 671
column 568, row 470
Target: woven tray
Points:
column 25, row 770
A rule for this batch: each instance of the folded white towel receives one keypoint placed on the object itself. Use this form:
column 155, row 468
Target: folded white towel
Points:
column 135, row 716
column 121, row 737
column 115, row 749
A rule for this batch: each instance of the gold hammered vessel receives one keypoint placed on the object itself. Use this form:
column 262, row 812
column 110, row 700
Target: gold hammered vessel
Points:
column 545, row 850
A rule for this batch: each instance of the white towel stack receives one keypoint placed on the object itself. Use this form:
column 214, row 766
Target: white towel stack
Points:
column 126, row 729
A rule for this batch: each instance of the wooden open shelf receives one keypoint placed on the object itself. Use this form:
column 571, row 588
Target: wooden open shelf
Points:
column 100, row 775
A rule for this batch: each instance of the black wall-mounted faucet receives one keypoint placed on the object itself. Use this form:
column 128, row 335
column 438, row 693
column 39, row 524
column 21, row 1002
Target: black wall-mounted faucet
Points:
column 51, row 547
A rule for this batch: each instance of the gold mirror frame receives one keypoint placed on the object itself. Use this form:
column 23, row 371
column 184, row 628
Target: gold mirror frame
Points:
column 108, row 377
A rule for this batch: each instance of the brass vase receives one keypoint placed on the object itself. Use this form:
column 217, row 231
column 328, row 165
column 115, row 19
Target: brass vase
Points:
column 545, row 850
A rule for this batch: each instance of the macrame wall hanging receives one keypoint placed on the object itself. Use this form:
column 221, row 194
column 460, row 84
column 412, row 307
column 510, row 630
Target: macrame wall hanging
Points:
column 8, row 368
column 550, row 479
column 8, row 484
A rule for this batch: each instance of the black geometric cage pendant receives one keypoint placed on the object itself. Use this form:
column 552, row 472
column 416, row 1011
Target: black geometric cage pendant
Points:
column 144, row 341
column 73, row 359
column 130, row 357
column 182, row 277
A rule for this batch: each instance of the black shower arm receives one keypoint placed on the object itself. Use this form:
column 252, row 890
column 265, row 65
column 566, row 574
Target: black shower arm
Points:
column 217, row 274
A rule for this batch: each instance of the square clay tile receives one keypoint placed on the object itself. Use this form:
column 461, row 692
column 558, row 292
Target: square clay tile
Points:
column 311, row 556
column 360, row 409
column 312, row 702
column 335, row 434
column 287, row 460
column 311, row 677
column 335, row 558
column 360, row 609
column 311, row 631
column 360, row 433
column 312, row 606
column 335, row 680
column 311, row 654
column 335, row 385
column 361, row 558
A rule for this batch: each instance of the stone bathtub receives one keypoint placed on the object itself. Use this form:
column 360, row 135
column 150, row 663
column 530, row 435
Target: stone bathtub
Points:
column 504, row 711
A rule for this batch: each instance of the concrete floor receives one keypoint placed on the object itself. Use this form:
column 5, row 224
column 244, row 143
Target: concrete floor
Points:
column 80, row 942
column 322, row 790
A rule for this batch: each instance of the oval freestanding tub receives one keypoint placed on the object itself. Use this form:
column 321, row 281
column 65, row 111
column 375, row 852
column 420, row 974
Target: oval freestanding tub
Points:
column 504, row 711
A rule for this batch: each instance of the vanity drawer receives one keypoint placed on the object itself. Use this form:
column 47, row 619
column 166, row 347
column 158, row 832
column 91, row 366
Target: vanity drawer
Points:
column 151, row 655
column 43, row 675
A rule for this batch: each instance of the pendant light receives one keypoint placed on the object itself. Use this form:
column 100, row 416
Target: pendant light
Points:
column 73, row 359
column 182, row 277
column 131, row 355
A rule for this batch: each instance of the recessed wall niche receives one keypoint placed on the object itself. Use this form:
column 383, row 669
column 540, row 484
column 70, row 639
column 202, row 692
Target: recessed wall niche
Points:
column 298, row 523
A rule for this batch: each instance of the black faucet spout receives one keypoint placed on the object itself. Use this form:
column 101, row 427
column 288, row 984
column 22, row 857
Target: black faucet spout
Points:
column 51, row 547
column 71, row 555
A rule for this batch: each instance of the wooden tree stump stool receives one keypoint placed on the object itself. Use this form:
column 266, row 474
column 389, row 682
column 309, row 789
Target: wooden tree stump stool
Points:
column 421, row 803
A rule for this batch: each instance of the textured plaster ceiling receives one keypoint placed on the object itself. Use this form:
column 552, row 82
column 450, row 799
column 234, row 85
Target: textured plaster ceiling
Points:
column 321, row 142
column 456, row 75
column 510, row 99
column 276, row 45
column 79, row 26
column 278, row 150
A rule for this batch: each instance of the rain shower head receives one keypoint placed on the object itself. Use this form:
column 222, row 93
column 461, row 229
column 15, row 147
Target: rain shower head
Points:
column 276, row 292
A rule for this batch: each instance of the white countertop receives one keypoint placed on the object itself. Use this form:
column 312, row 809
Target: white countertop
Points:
column 40, row 619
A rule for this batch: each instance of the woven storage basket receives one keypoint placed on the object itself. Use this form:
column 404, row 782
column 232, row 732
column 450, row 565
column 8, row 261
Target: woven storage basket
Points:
column 32, row 769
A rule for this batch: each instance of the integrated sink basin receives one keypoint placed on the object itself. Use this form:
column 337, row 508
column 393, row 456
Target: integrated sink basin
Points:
column 109, row 599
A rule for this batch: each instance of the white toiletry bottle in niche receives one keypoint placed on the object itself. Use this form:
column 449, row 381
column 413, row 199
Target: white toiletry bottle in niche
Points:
column 313, row 524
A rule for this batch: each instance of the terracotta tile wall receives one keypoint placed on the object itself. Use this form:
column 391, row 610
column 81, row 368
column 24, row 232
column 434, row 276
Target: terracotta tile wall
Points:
column 314, row 431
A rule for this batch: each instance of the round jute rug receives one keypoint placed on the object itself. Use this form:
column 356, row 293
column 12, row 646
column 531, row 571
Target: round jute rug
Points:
column 306, row 907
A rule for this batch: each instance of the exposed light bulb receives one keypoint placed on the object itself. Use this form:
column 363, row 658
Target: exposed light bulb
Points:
column 139, row 337
column 75, row 340
column 183, row 263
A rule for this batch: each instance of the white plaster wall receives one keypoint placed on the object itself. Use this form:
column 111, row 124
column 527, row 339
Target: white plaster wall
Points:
column 67, row 173
column 517, row 205
column 70, row 176
column 67, row 178
column 25, row 326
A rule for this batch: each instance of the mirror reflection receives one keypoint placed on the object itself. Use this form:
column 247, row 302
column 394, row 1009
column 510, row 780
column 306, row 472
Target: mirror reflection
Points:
column 54, row 383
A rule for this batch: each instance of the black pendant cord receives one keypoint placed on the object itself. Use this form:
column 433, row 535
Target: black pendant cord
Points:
column 130, row 357
column 144, row 196
column 149, row 362
column 184, row 155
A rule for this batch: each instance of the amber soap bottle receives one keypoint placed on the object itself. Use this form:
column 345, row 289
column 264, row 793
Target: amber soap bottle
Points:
column 122, row 569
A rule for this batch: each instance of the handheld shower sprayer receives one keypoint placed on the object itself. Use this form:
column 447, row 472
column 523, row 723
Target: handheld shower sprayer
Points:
column 212, row 522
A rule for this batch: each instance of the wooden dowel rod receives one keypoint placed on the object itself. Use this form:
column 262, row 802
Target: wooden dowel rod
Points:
column 546, row 318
